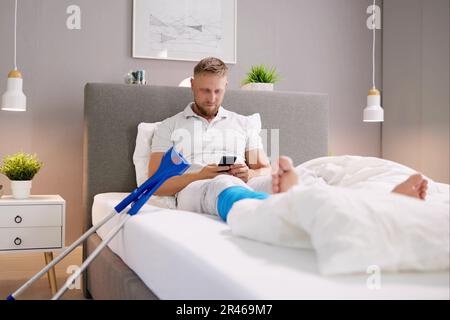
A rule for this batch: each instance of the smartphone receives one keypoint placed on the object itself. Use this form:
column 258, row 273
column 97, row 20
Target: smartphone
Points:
column 227, row 161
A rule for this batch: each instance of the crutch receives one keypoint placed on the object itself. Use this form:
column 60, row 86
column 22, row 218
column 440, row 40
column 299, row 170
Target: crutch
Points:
column 172, row 164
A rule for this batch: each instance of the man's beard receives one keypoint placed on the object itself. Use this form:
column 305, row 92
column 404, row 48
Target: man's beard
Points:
column 207, row 112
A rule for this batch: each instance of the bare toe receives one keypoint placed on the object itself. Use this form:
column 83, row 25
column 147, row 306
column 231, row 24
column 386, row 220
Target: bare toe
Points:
column 287, row 175
column 415, row 179
column 413, row 187
column 423, row 189
column 285, row 163
column 275, row 183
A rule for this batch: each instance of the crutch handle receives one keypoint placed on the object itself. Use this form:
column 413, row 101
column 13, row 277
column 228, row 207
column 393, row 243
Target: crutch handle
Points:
column 172, row 164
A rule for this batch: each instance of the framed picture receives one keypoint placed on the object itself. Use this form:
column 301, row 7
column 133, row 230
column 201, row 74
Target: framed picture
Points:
column 184, row 29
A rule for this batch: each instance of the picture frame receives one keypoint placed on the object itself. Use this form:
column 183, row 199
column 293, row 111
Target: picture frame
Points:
column 186, row 30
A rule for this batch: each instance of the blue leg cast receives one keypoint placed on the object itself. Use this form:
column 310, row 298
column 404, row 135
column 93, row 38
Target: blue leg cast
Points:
column 231, row 195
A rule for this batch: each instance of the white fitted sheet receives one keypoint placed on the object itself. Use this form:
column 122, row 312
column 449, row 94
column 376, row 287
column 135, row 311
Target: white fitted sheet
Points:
column 185, row 255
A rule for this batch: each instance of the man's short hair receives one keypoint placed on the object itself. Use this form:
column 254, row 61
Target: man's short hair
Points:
column 211, row 65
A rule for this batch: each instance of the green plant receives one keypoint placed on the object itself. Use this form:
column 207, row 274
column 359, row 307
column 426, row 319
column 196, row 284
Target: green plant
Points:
column 261, row 74
column 20, row 166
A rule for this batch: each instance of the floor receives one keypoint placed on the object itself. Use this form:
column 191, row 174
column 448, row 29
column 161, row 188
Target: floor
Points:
column 17, row 268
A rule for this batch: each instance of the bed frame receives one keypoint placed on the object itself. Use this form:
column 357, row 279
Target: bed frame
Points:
column 112, row 113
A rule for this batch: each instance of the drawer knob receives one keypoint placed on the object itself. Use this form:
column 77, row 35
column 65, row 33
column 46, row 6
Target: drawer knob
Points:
column 18, row 219
column 17, row 241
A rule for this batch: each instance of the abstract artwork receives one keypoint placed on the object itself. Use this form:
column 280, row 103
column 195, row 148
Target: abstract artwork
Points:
column 184, row 29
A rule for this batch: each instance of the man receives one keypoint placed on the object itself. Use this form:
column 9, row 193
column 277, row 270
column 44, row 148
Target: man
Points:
column 205, row 132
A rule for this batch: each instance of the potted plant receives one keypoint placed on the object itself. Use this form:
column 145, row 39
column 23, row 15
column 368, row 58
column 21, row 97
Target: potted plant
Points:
column 260, row 78
column 20, row 169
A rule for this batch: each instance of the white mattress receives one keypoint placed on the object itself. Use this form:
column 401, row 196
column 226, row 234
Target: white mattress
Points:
column 185, row 255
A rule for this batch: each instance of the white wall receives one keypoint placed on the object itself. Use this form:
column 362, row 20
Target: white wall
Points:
column 416, row 85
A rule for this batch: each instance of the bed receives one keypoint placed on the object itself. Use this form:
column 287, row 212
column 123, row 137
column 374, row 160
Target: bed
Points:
column 171, row 254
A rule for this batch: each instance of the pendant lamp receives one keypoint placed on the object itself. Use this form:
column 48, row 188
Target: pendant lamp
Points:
column 373, row 111
column 14, row 99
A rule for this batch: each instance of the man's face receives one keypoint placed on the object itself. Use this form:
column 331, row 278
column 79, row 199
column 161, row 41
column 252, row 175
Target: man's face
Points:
column 209, row 90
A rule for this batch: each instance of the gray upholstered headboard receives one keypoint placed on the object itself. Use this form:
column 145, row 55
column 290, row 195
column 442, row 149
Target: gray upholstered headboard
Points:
column 113, row 112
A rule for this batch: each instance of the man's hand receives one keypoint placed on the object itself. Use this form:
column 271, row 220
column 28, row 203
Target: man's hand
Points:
column 241, row 171
column 211, row 171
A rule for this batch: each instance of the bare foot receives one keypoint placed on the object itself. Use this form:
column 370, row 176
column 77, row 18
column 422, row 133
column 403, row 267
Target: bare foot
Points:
column 415, row 186
column 285, row 176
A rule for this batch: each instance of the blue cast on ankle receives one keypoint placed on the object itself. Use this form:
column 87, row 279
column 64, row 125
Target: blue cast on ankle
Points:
column 231, row 195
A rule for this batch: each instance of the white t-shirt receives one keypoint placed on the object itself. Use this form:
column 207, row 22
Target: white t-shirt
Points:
column 202, row 142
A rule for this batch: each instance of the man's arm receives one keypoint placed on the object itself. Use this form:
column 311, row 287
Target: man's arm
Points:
column 178, row 183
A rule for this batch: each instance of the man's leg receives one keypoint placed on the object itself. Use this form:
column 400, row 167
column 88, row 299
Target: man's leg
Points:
column 189, row 198
column 217, row 196
column 220, row 193
column 286, row 177
column 286, row 218
column 261, row 184
column 231, row 190
column 202, row 196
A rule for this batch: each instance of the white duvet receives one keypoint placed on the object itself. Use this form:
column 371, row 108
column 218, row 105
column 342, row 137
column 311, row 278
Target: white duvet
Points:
column 344, row 210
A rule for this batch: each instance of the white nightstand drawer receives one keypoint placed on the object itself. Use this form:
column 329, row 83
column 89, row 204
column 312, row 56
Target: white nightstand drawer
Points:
column 30, row 238
column 20, row 216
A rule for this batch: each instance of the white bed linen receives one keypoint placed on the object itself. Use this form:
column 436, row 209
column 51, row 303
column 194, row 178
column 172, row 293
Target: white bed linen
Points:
column 185, row 255
column 352, row 219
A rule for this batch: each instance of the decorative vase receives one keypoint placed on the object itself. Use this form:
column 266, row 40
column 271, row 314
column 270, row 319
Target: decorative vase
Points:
column 258, row 86
column 21, row 189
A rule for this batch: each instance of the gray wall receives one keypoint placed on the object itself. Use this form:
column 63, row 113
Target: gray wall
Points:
column 317, row 46
column 416, row 85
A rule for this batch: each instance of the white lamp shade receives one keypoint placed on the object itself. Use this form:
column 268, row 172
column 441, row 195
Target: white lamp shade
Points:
column 14, row 99
column 373, row 112
column 185, row 83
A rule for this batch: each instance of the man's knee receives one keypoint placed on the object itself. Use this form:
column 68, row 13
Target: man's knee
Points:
column 214, row 187
column 189, row 198
column 225, row 181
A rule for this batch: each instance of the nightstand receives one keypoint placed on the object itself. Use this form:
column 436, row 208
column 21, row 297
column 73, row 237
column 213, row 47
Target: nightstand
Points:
column 36, row 224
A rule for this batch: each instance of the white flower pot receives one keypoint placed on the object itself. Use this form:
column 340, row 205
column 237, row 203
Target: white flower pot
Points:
column 258, row 86
column 21, row 189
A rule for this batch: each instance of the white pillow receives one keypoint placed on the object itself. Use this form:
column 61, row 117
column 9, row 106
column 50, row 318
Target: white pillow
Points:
column 141, row 154
column 255, row 122
column 141, row 157
column 254, row 132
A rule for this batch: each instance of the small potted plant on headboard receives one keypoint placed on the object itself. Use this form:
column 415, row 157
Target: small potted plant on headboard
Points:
column 260, row 78
column 20, row 169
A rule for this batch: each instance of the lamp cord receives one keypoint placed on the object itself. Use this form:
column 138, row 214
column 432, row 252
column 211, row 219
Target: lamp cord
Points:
column 373, row 44
column 15, row 36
